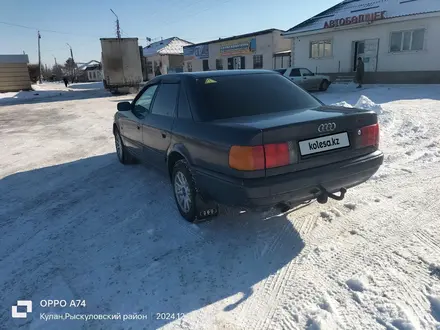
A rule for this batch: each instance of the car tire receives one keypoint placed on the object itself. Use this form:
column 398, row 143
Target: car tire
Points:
column 324, row 85
column 121, row 151
column 184, row 189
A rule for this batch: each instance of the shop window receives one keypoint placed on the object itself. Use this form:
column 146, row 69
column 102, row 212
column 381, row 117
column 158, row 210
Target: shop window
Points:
column 149, row 67
column 403, row 41
column 258, row 61
column 189, row 66
column 205, row 65
column 219, row 64
column 320, row 49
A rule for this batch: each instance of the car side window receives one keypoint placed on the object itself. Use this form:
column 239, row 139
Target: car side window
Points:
column 306, row 72
column 165, row 101
column 143, row 103
column 183, row 109
column 295, row 73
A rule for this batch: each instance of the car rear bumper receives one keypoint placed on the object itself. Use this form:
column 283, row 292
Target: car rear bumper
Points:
column 292, row 187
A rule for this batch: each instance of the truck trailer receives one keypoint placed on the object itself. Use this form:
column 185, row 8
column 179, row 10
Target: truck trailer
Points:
column 121, row 64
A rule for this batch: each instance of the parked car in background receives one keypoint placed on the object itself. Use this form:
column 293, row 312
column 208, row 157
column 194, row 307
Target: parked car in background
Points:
column 308, row 80
column 280, row 71
column 247, row 138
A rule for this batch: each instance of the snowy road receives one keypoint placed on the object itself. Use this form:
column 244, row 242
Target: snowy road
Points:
column 75, row 224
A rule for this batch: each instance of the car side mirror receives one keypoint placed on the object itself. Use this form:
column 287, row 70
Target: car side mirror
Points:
column 124, row 106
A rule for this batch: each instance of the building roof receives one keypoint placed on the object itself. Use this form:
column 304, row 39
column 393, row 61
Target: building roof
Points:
column 90, row 64
column 252, row 34
column 349, row 8
column 170, row 46
column 21, row 58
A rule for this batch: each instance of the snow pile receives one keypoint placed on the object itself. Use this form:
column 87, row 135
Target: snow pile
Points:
column 363, row 103
column 343, row 104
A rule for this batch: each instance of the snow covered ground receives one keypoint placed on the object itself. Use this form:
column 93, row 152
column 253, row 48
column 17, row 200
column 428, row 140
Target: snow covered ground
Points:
column 41, row 92
column 75, row 224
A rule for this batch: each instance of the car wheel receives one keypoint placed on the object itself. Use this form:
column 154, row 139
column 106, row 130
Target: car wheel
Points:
column 185, row 191
column 123, row 155
column 324, row 85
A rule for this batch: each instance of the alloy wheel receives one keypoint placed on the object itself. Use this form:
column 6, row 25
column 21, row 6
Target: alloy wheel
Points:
column 182, row 191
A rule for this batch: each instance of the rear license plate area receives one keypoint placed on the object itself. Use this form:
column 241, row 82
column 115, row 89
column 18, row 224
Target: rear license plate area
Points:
column 324, row 143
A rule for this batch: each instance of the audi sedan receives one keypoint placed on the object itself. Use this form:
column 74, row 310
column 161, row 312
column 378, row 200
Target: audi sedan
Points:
column 246, row 138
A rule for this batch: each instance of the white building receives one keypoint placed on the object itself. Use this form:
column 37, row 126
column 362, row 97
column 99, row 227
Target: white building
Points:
column 265, row 49
column 90, row 71
column 165, row 55
column 398, row 40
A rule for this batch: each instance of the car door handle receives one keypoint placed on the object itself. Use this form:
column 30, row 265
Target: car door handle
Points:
column 164, row 135
column 138, row 127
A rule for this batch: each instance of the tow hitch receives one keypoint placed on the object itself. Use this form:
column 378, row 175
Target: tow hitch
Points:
column 325, row 195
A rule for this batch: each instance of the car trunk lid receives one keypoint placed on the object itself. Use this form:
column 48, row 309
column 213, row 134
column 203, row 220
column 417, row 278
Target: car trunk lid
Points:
column 316, row 137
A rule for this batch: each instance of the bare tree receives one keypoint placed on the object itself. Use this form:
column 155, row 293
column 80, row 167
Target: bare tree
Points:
column 47, row 73
column 57, row 71
column 70, row 67
column 34, row 72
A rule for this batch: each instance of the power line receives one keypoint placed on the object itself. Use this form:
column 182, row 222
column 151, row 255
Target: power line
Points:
column 45, row 30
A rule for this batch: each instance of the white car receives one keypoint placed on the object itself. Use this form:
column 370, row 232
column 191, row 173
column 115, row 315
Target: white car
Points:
column 306, row 79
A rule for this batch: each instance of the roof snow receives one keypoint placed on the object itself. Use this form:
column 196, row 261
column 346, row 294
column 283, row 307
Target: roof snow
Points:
column 170, row 46
column 348, row 8
column 84, row 66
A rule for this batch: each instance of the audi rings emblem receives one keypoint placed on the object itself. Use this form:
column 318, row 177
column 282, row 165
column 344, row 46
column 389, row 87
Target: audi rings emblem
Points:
column 327, row 127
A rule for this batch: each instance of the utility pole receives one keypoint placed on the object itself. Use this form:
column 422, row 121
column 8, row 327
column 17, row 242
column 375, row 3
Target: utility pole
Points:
column 73, row 62
column 39, row 58
column 118, row 28
column 71, row 52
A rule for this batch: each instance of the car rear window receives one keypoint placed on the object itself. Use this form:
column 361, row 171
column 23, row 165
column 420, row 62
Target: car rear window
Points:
column 231, row 96
column 281, row 71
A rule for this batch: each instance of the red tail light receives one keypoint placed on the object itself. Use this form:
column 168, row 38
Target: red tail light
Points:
column 368, row 136
column 260, row 157
column 279, row 154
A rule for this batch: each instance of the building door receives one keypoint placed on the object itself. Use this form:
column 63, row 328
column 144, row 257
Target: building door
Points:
column 239, row 62
column 371, row 50
column 367, row 50
column 359, row 48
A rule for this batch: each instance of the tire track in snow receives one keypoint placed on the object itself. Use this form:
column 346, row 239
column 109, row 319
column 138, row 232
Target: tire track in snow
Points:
column 359, row 249
column 264, row 292
column 427, row 239
column 409, row 291
column 278, row 283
